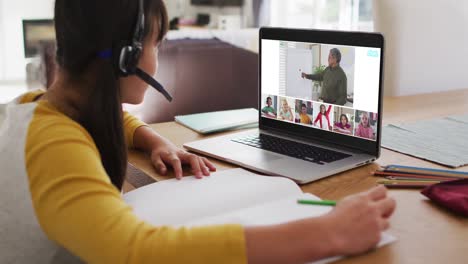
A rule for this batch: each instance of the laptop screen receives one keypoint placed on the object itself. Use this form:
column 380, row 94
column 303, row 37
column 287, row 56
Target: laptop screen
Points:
column 322, row 86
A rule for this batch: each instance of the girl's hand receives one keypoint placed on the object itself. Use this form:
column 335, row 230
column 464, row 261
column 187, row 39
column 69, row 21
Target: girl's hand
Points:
column 357, row 222
column 167, row 154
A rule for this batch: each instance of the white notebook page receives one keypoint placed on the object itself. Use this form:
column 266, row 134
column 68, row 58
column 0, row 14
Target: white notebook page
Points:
column 174, row 202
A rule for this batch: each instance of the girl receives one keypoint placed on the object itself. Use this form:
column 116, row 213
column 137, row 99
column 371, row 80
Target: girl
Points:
column 268, row 110
column 64, row 156
column 323, row 118
column 364, row 129
column 286, row 112
column 343, row 126
column 303, row 116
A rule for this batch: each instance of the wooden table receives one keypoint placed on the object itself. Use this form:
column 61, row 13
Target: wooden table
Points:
column 425, row 232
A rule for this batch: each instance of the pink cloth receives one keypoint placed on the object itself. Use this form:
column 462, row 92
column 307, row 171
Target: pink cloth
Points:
column 364, row 132
column 452, row 195
column 340, row 125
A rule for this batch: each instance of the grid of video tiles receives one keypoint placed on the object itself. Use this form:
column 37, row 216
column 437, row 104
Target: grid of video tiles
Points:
column 319, row 115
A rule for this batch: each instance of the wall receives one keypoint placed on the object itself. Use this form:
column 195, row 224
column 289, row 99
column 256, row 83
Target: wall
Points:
column 12, row 12
column 11, row 15
column 183, row 8
column 2, row 50
column 298, row 61
column 426, row 45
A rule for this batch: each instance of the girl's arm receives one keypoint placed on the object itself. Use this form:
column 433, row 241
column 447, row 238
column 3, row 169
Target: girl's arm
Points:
column 328, row 110
column 358, row 131
column 78, row 207
column 317, row 118
column 353, row 227
column 131, row 124
column 341, row 129
column 164, row 153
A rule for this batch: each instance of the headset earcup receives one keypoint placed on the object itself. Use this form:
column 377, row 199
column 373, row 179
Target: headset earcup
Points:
column 130, row 53
column 123, row 61
column 128, row 61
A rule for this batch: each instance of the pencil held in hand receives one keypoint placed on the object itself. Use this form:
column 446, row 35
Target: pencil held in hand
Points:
column 359, row 220
column 317, row 202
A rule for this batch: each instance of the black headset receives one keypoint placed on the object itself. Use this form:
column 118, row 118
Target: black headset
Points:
column 130, row 55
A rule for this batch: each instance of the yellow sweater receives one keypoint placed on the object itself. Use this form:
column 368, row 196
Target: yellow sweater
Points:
column 77, row 206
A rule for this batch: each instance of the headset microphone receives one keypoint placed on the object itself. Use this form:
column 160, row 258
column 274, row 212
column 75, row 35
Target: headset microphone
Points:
column 151, row 81
column 130, row 55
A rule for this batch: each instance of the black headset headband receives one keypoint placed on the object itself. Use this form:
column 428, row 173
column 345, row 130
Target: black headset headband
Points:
column 130, row 55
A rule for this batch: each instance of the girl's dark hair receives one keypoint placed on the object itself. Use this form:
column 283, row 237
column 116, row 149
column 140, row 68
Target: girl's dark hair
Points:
column 324, row 108
column 343, row 115
column 84, row 28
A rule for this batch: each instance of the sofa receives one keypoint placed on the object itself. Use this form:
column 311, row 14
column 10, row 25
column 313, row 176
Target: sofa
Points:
column 202, row 75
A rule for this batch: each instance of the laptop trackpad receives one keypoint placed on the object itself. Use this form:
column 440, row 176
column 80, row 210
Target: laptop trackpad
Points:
column 255, row 157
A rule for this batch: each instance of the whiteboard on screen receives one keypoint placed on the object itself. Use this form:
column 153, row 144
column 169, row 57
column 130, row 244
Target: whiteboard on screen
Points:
column 298, row 61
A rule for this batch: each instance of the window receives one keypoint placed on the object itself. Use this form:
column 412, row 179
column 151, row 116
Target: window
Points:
column 324, row 14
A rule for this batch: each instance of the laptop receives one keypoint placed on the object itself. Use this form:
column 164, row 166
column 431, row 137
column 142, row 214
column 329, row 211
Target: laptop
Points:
column 320, row 101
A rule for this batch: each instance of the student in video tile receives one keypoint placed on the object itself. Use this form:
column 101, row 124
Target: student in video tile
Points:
column 323, row 118
column 334, row 87
column 304, row 117
column 268, row 110
column 364, row 128
column 343, row 126
column 285, row 112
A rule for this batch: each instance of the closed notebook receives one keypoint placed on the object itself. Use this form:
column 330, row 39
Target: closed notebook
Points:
column 232, row 196
column 205, row 123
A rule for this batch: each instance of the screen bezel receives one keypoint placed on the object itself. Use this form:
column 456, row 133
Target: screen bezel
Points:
column 359, row 39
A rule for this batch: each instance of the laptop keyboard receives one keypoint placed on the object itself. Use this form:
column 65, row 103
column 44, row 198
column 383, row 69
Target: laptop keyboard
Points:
column 292, row 149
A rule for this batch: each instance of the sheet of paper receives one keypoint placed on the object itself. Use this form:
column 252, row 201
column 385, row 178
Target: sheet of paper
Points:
column 220, row 121
column 273, row 212
column 461, row 119
column 174, row 202
column 385, row 240
column 443, row 140
column 278, row 212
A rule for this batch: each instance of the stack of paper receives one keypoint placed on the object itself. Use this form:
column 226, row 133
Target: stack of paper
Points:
column 220, row 121
column 443, row 140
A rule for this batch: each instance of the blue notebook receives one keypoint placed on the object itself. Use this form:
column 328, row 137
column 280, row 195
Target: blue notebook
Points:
column 206, row 123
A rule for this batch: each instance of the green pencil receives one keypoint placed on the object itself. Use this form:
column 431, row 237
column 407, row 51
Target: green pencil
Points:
column 316, row 202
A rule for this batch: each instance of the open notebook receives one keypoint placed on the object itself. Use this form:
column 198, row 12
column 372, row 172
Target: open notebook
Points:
column 229, row 196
